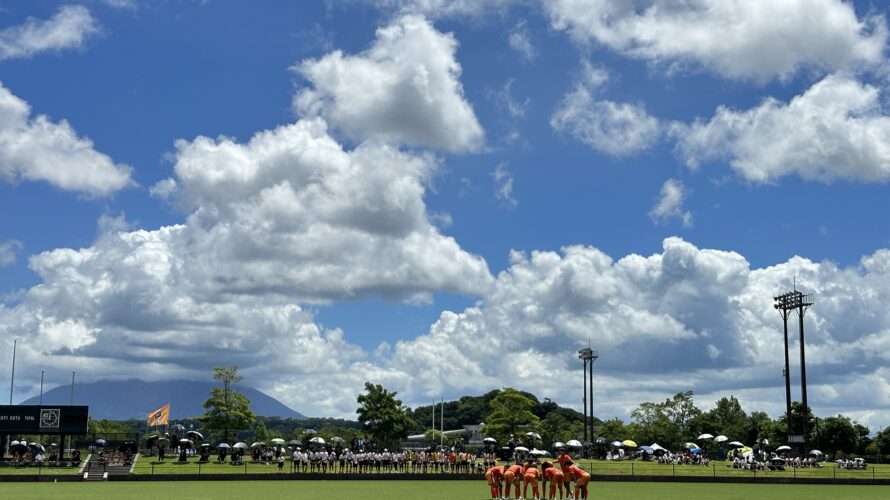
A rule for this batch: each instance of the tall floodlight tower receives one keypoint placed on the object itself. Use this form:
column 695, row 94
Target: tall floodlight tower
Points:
column 588, row 356
column 799, row 303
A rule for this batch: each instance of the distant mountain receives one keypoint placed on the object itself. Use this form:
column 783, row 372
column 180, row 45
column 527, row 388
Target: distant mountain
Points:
column 126, row 399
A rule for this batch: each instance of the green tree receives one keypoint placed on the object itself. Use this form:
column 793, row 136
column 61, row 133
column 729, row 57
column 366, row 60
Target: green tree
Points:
column 836, row 434
column 882, row 442
column 227, row 409
column 510, row 409
column 433, row 437
column 729, row 418
column 261, row 433
column 382, row 415
column 613, row 429
column 864, row 440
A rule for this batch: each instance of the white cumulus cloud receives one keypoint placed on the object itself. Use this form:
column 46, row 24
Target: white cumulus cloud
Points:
column 68, row 28
column 758, row 39
column 37, row 149
column 836, row 129
column 404, row 89
column 614, row 128
column 670, row 203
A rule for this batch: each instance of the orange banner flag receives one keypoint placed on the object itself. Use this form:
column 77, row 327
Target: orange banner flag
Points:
column 159, row 416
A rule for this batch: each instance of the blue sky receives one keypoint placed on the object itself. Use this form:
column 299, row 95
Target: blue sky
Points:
column 443, row 196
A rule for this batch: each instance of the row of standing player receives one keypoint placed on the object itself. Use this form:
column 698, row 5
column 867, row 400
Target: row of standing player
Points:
column 518, row 476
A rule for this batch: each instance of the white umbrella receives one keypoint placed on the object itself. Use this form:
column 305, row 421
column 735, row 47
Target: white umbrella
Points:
column 223, row 445
column 538, row 453
column 241, row 446
column 337, row 439
column 705, row 436
column 521, row 449
column 784, row 447
column 765, row 441
column 14, row 443
column 574, row 443
column 559, row 444
column 317, row 440
column 721, row 438
column 489, row 440
column 277, row 441
column 533, row 435
column 258, row 444
column 736, row 443
column 617, row 444
column 816, row 452
column 690, row 445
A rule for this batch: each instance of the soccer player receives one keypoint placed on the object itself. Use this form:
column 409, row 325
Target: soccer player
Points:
column 512, row 476
column 530, row 476
column 556, row 478
column 581, row 478
column 563, row 458
column 495, row 478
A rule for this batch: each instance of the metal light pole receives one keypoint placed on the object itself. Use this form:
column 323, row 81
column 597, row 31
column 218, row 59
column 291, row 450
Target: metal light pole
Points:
column 41, row 387
column 588, row 356
column 799, row 303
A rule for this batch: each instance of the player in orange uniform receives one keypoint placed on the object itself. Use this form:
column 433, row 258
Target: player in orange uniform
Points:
column 530, row 476
column 495, row 478
column 564, row 458
column 556, row 478
column 581, row 478
column 512, row 476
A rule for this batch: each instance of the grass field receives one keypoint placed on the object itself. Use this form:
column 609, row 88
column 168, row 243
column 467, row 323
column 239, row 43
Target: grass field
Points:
column 147, row 465
column 432, row 490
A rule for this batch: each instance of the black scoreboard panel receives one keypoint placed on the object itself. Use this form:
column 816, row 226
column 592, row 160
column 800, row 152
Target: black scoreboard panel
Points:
column 46, row 419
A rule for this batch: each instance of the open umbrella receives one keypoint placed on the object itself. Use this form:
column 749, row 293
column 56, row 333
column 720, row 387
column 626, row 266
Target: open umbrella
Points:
column 338, row 439
column 295, row 442
column 37, row 446
column 223, row 445
column 195, row 435
column 574, row 443
column 559, row 444
column 258, row 444
column 656, row 447
column 489, row 440
column 277, row 441
column 533, row 435
column 205, row 445
column 177, row 427
column 186, row 442
column 101, row 442
column 705, row 436
column 14, row 443
column 736, row 444
column 721, row 438
column 648, row 449
column 629, row 443
column 618, row 444
column 816, row 452
column 601, row 440
column 520, row 449
column 765, row 442
column 317, row 440
column 240, row 446
column 689, row 446
column 695, row 451
column 538, row 453
column 309, row 431
column 784, row 447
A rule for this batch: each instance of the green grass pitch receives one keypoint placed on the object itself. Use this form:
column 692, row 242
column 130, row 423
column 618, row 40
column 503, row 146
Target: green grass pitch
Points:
column 432, row 490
